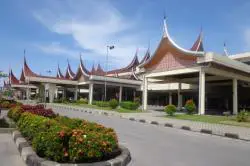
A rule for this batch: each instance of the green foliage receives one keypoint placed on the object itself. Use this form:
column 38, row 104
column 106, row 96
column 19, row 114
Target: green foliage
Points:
column 242, row 116
column 63, row 139
column 113, row 103
column 170, row 109
column 190, row 106
column 102, row 103
column 137, row 100
column 129, row 105
column 82, row 101
column 5, row 104
column 15, row 113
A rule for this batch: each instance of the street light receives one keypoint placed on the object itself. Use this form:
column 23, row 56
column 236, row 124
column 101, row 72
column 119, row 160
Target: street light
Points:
column 105, row 83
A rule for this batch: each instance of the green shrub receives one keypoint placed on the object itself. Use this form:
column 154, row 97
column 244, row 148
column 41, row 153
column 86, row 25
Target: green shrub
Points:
column 30, row 124
column 170, row 109
column 16, row 113
column 91, row 146
column 242, row 116
column 137, row 100
column 129, row 105
column 63, row 139
column 5, row 104
column 113, row 103
column 53, row 143
column 102, row 103
column 82, row 101
column 190, row 106
column 72, row 123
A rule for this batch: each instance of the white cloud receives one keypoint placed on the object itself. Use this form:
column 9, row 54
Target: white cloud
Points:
column 93, row 25
column 56, row 48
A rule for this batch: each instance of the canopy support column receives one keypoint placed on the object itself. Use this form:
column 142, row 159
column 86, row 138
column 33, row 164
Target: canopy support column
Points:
column 202, row 82
column 179, row 97
column 170, row 98
column 76, row 93
column 91, row 87
column 145, row 93
column 120, row 94
column 235, row 96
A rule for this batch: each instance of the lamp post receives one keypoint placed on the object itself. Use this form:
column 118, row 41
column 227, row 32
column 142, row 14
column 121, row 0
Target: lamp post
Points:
column 105, row 82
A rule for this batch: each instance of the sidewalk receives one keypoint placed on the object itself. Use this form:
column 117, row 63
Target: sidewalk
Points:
column 156, row 118
column 9, row 155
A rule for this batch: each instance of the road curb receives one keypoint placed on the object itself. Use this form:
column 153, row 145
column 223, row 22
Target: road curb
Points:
column 183, row 127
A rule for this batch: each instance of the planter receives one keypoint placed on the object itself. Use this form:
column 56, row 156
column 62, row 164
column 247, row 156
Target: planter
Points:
column 31, row 158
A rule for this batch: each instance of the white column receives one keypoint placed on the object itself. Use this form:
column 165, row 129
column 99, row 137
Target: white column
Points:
column 202, row 82
column 235, row 96
column 120, row 94
column 52, row 91
column 145, row 93
column 76, row 93
column 179, row 96
column 170, row 98
column 27, row 94
column 91, row 86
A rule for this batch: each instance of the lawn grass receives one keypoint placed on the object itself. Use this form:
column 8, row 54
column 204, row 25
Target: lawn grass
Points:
column 120, row 110
column 230, row 120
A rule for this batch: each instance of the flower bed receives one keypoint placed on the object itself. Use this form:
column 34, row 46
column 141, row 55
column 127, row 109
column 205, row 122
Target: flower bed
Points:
column 63, row 139
column 6, row 104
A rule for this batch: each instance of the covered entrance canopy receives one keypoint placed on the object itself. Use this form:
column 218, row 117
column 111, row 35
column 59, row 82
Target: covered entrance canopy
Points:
column 173, row 64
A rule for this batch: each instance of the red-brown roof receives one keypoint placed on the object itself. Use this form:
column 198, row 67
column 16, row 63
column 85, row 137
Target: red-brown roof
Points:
column 128, row 68
column 99, row 71
column 198, row 44
column 69, row 73
column 82, row 70
column 59, row 73
column 146, row 57
column 13, row 79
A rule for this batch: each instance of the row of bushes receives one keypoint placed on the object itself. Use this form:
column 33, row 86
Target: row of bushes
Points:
column 6, row 104
column 190, row 108
column 113, row 103
column 63, row 139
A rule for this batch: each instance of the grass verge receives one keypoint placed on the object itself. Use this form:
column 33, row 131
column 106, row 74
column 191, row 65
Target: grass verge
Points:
column 230, row 120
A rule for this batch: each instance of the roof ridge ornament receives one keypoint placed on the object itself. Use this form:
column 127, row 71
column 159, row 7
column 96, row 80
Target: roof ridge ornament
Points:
column 225, row 50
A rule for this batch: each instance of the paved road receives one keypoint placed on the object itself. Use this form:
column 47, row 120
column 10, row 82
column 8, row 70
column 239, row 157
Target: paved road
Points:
column 159, row 146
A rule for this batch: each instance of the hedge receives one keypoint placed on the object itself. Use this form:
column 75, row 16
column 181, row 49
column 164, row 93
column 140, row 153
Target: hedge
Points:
column 64, row 139
column 129, row 105
column 102, row 103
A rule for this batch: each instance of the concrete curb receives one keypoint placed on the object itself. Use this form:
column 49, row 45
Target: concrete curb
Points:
column 184, row 127
column 30, row 157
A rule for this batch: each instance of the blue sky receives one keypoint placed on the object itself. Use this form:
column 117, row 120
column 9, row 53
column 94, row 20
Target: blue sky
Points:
column 53, row 31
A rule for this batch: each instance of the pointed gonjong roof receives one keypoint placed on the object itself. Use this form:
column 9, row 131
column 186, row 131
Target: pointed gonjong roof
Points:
column 198, row 45
column 82, row 70
column 59, row 73
column 132, row 65
column 93, row 70
column 12, row 79
column 146, row 57
column 168, row 45
column 99, row 71
column 69, row 73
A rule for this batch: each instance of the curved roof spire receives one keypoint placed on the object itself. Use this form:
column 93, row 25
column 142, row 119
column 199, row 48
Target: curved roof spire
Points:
column 27, row 71
column 167, row 36
column 93, row 69
column 146, row 56
column 69, row 73
column 59, row 73
column 225, row 49
column 12, row 78
column 198, row 44
column 99, row 70
column 83, row 68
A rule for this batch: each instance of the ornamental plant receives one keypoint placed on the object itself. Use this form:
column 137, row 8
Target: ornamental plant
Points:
column 170, row 109
column 102, row 103
column 129, row 105
column 242, row 116
column 64, row 139
column 190, row 106
column 113, row 103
